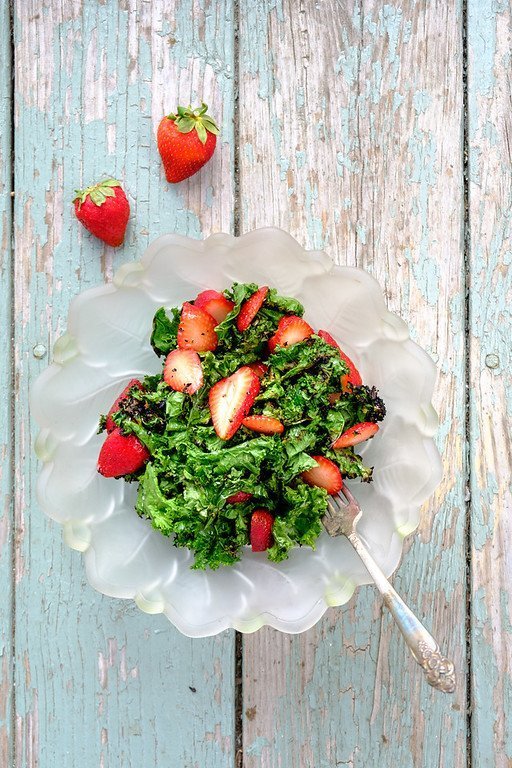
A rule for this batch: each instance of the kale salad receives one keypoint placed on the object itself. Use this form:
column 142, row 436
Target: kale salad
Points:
column 250, row 426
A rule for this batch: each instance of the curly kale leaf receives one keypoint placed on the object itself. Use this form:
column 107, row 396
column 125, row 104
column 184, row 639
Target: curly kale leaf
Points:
column 165, row 331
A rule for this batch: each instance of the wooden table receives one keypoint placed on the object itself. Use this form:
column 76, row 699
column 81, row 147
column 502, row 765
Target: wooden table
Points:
column 380, row 132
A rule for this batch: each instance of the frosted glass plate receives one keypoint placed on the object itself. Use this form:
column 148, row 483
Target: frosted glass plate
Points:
column 107, row 344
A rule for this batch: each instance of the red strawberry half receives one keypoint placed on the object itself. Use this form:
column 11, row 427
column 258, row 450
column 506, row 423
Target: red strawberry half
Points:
column 186, row 141
column 183, row 371
column 291, row 330
column 264, row 424
column 325, row 475
column 215, row 304
column 259, row 369
column 121, row 455
column 104, row 210
column 356, row 434
column 261, row 530
column 353, row 377
column 196, row 329
column 231, row 399
column 110, row 423
column 239, row 497
column 250, row 308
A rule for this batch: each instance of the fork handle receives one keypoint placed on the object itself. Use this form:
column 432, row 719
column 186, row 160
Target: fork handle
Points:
column 439, row 671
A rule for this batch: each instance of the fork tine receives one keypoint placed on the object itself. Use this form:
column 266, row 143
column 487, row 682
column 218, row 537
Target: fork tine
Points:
column 348, row 496
column 336, row 503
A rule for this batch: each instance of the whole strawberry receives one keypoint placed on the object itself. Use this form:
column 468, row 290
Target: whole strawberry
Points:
column 104, row 210
column 186, row 141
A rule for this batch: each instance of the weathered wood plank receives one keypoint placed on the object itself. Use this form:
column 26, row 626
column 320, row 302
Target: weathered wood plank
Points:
column 98, row 683
column 490, row 210
column 6, row 527
column 363, row 156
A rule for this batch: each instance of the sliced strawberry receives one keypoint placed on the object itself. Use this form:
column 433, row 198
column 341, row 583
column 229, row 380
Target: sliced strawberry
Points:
column 239, row 497
column 326, row 336
column 264, row 424
column 356, row 434
column 121, row 455
column 110, row 423
column 259, row 369
column 205, row 296
column 215, row 304
column 219, row 308
column 196, row 329
column 325, row 475
column 183, row 371
column 353, row 377
column 231, row 400
column 291, row 330
column 261, row 530
column 250, row 308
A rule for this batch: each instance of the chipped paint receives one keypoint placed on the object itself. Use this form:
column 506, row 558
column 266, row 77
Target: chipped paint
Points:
column 379, row 185
column 6, row 511
column 93, row 81
column 491, row 400
column 421, row 101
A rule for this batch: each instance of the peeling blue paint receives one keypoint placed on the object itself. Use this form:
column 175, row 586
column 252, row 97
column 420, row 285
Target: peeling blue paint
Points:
column 283, row 162
column 256, row 747
column 314, row 223
column 490, row 133
column 109, row 662
column 361, row 232
column 300, row 158
column 249, row 153
column 398, row 100
column 421, row 101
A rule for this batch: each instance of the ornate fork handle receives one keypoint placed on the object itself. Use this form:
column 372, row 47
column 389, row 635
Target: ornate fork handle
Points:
column 439, row 671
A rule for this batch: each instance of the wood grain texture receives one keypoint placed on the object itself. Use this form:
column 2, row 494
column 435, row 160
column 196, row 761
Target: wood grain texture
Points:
column 6, row 527
column 362, row 155
column 490, row 198
column 99, row 684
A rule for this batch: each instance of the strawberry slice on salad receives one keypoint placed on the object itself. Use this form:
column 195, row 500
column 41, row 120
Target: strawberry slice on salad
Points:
column 215, row 304
column 121, row 455
column 183, row 371
column 231, row 399
column 325, row 475
column 110, row 424
column 197, row 329
column 261, row 530
column 290, row 330
column 356, row 434
column 267, row 425
column 239, row 497
column 250, row 308
column 353, row 377
column 259, row 369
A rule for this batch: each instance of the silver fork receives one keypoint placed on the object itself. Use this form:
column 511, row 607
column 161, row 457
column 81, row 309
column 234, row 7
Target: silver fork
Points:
column 342, row 518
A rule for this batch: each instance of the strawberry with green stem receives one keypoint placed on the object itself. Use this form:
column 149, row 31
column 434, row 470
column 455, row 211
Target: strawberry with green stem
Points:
column 104, row 210
column 186, row 141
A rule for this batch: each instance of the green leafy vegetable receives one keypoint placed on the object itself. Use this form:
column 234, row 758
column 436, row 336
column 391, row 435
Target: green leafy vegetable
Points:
column 165, row 331
column 183, row 489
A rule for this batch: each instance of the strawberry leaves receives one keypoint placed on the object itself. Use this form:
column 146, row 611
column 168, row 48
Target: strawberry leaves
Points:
column 98, row 193
column 187, row 119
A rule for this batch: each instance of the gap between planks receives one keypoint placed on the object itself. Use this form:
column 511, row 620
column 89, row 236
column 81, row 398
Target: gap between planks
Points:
column 12, row 419
column 239, row 640
column 466, row 242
